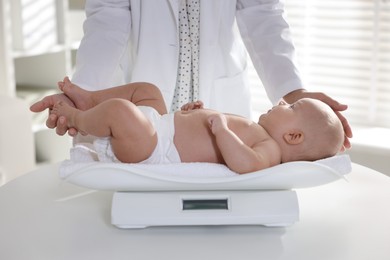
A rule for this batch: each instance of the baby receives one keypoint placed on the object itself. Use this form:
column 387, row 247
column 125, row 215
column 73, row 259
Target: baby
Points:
column 135, row 118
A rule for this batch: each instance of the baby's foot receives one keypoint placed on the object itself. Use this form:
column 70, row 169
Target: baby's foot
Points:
column 80, row 97
column 63, row 109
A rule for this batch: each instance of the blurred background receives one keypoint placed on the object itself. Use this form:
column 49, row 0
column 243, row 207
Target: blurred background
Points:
column 343, row 49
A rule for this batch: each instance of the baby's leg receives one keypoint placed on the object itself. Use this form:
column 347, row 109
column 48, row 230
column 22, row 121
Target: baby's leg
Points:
column 139, row 93
column 133, row 137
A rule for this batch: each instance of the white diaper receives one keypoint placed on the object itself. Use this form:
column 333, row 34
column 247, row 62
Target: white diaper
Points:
column 165, row 151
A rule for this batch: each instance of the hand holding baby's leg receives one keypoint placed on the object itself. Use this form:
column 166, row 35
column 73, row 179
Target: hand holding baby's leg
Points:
column 80, row 97
column 63, row 110
column 53, row 121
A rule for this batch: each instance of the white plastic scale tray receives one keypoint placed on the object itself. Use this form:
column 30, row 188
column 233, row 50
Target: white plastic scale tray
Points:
column 203, row 193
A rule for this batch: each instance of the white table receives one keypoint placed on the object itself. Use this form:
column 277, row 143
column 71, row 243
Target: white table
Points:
column 42, row 217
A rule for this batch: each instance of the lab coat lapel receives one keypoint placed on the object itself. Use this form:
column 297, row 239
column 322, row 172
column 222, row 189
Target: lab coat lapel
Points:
column 210, row 13
column 174, row 5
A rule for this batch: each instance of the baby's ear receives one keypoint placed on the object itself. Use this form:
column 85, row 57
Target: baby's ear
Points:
column 294, row 137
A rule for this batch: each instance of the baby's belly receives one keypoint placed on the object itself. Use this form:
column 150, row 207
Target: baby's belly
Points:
column 194, row 140
column 197, row 151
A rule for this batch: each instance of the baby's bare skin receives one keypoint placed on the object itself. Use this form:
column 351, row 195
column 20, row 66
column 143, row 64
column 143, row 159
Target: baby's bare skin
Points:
column 195, row 141
column 201, row 135
column 194, row 138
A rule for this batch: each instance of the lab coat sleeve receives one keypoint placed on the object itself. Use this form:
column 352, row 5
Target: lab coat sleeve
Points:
column 106, row 35
column 267, row 38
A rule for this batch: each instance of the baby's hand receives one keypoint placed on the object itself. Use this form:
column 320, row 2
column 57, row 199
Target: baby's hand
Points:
column 217, row 122
column 192, row 106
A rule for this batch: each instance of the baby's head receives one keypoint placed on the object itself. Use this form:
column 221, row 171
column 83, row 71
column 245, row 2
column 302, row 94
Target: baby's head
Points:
column 306, row 130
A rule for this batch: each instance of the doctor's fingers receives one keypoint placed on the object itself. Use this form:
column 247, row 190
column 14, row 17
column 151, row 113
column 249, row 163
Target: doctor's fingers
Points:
column 73, row 132
column 334, row 104
column 41, row 105
column 53, row 121
column 59, row 124
column 62, row 127
column 49, row 101
column 337, row 107
column 347, row 131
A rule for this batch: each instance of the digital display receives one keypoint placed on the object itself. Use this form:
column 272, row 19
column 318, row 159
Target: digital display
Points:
column 207, row 204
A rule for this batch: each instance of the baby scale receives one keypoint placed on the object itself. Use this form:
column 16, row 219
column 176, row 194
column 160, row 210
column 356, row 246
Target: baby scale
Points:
column 203, row 193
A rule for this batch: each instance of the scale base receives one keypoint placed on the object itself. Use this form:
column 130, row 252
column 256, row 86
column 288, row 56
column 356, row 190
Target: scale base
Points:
column 188, row 208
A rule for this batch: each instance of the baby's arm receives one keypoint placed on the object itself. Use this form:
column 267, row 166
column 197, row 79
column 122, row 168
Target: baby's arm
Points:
column 238, row 156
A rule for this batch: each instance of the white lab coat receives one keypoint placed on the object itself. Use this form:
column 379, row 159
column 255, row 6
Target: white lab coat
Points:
column 139, row 38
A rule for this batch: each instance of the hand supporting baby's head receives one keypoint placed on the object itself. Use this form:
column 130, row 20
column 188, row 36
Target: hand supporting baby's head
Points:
column 305, row 130
column 322, row 132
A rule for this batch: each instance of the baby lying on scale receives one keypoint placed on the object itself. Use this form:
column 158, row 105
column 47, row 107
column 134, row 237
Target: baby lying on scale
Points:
column 135, row 118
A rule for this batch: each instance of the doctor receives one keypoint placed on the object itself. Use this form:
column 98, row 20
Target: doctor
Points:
column 190, row 50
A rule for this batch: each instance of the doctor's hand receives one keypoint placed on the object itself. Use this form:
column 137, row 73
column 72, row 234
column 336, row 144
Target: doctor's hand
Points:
column 59, row 123
column 335, row 105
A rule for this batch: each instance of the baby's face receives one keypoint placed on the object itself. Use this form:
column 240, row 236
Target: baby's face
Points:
column 287, row 116
column 280, row 115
